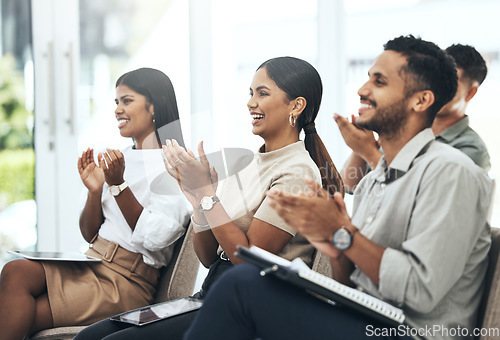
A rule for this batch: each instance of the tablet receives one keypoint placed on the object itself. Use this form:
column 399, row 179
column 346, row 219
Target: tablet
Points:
column 54, row 256
column 159, row 311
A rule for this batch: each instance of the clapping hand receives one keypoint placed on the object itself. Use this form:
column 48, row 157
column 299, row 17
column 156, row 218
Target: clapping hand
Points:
column 92, row 176
column 315, row 214
column 361, row 141
column 195, row 177
column 112, row 164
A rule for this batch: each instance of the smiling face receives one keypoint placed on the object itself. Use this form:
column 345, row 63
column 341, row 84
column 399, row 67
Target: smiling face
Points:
column 134, row 115
column 269, row 107
column 383, row 99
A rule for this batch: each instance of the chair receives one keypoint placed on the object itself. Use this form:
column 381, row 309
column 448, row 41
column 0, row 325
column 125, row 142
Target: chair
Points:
column 490, row 209
column 321, row 264
column 177, row 280
column 489, row 312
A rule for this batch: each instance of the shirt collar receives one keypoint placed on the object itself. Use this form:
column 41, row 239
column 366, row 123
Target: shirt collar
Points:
column 453, row 131
column 404, row 158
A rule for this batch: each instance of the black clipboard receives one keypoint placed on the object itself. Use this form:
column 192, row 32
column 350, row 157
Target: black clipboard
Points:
column 309, row 281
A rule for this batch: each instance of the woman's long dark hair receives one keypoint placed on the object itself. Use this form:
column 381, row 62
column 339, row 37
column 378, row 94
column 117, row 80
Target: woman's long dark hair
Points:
column 298, row 78
column 159, row 91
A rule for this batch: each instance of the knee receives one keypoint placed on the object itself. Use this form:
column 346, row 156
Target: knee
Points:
column 240, row 277
column 16, row 272
column 11, row 269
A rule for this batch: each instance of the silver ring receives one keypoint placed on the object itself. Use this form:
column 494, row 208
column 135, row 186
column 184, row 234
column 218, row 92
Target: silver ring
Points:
column 177, row 160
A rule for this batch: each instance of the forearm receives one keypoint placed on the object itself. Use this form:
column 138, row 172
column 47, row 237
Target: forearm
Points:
column 205, row 243
column 91, row 217
column 366, row 255
column 130, row 207
column 371, row 155
column 353, row 171
column 205, row 247
column 342, row 268
column 227, row 234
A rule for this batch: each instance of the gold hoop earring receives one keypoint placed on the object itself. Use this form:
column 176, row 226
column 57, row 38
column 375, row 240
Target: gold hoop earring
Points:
column 292, row 120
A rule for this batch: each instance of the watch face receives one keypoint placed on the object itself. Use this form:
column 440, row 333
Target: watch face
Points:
column 342, row 239
column 114, row 190
column 206, row 203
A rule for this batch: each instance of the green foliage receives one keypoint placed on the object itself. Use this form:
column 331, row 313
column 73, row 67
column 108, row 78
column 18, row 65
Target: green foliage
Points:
column 17, row 176
column 15, row 120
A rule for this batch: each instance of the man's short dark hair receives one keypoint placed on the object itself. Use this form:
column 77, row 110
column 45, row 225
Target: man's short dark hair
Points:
column 470, row 61
column 429, row 68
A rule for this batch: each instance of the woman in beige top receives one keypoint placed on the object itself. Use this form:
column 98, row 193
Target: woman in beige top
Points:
column 285, row 96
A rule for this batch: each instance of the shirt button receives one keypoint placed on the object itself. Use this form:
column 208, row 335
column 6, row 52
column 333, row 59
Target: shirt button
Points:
column 369, row 219
column 382, row 185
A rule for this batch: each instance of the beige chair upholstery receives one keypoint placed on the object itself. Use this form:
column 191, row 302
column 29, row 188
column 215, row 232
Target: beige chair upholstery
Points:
column 321, row 264
column 177, row 280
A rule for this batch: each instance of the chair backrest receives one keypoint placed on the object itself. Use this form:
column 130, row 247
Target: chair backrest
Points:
column 178, row 279
column 490, row 209
column 321, row 264
column 489, row 312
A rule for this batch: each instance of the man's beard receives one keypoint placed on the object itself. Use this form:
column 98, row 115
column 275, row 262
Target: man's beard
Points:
column 388, row 121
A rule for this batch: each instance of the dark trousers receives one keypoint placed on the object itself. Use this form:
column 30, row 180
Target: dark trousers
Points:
column 245, row 305
column 172, row 328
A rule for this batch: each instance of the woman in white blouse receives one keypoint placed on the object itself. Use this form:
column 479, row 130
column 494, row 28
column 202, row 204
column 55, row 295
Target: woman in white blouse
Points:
column 132, row 217
column 285, row 96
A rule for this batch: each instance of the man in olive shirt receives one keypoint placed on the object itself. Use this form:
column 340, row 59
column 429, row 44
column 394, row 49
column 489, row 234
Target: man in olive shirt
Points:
column 451, row 125
column 418, row 237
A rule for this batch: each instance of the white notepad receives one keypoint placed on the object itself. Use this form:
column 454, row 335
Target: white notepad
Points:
column 363, row 299
column 320, row 286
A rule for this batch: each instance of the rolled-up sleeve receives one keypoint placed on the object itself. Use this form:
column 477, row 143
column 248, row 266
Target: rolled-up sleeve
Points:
column 161, row 223
column 446, row 222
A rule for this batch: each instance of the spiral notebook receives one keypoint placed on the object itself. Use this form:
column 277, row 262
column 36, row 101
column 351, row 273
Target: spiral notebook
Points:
column 320, row 286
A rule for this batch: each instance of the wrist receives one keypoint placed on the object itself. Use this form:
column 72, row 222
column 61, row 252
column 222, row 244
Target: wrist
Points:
column 343, row 238
column 116, row 190
column 208, row 202
column 198, row 225
column 204, row 192
column 199, row 216
column 95, row 192
column 115, row 182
